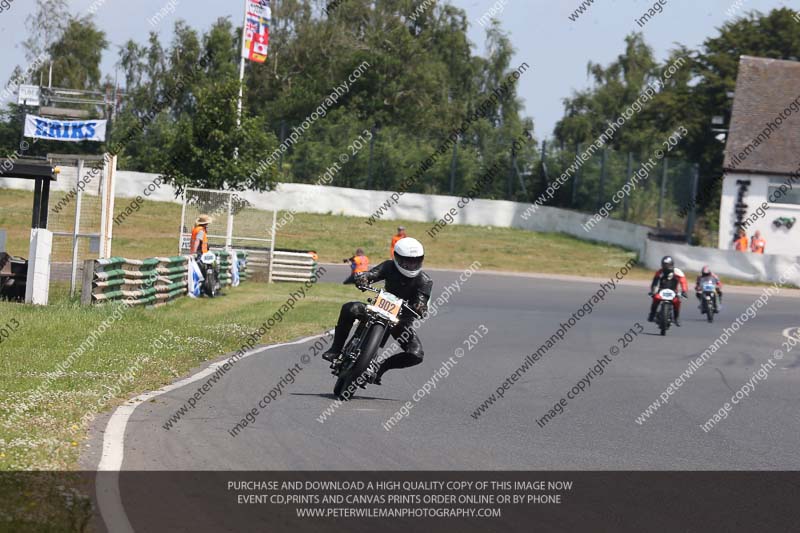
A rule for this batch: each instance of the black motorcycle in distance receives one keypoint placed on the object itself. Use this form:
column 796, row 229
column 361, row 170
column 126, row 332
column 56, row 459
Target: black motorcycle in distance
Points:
column 708, row 301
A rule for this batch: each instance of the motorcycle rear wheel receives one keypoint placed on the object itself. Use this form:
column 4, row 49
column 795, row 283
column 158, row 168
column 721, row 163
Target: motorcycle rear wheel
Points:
column 346, row 384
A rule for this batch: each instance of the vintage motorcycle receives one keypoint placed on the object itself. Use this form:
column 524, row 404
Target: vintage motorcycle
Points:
column 209, row 268
column 358, row 364
column 708, row 302
column 665, row 312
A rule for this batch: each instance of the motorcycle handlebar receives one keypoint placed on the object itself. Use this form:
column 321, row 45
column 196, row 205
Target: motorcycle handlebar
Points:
column 369, row 288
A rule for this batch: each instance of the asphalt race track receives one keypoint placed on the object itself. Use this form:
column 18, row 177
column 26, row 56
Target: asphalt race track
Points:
column 596, row 431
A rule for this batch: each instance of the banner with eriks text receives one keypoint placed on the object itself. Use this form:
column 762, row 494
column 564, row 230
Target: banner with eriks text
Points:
column 65, row 130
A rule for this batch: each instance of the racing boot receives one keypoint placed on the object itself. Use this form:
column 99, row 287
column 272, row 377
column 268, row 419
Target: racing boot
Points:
column 653, row 307
column 371, row 375
column 335, row 351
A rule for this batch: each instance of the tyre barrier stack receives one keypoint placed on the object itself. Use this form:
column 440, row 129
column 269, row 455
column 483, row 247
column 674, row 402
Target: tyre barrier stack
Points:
column 154, row 281
column 225, row 259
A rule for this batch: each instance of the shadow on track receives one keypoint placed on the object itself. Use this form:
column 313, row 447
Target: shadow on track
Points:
column 332, row 397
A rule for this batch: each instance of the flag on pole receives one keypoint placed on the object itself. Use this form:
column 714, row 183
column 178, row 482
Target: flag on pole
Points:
column 256, row 32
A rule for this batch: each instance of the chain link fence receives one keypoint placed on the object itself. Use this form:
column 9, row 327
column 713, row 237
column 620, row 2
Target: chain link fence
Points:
column 236, row 225
column 663, row 186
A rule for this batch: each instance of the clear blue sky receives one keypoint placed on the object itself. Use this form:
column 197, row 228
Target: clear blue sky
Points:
column 557, row 48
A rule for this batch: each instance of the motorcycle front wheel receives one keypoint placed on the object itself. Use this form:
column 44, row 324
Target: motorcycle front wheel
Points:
column 709, row 310
column 664, row 318
column 347, row 382
column 210, row 284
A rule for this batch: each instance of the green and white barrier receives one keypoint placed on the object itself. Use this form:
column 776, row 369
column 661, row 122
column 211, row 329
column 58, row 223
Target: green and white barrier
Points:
column 154, row 281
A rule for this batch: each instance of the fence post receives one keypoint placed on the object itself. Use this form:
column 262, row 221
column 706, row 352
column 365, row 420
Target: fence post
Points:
column 662, row 194
column 374, row 133
column 272, row 247
column 453, row 163
column 577, row 177
column 229, row 233
column 543, row 167
column 692, row 211
column 88, row 278
column 601, row 190
column 629, row 174
column 73, row 275
column 183, row 225
column 283, row 139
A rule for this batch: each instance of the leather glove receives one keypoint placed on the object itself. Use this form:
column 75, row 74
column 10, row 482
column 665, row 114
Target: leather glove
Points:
column 420, row 308
column 360, row 281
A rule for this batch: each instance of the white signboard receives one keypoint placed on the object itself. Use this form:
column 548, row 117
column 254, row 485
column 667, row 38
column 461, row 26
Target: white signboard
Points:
column 28, row 95
column 65, row 130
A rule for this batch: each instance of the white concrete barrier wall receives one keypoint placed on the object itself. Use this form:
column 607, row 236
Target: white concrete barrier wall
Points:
column 726, row 263
column 304, row 198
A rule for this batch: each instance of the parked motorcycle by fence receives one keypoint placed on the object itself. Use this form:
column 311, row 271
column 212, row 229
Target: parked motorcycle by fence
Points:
column 210, row 268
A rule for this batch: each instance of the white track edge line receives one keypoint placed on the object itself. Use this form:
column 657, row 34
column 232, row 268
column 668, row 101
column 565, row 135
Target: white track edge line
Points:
column 109, row 499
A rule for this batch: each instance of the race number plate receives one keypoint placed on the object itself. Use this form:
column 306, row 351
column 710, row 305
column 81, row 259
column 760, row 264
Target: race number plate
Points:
column 667, row 294
column 389, row 303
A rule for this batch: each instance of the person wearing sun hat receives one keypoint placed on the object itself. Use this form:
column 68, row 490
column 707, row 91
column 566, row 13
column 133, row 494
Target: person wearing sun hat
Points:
column 199, row 241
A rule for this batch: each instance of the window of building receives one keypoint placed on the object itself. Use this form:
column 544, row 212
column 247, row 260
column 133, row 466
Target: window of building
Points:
column 776, row 196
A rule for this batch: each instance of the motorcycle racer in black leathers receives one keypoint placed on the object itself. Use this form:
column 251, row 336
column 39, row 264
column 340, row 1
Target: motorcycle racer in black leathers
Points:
column 405, row 279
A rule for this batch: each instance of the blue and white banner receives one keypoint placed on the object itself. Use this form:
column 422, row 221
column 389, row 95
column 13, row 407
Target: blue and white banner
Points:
column 65, row 130
column 234, row 269
column 195, row 281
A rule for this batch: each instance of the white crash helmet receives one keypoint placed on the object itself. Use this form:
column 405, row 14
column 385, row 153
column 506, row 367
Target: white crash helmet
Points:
column 408, row 257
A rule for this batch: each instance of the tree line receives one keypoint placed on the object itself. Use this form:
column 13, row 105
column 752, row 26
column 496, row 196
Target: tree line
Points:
column 180, row 97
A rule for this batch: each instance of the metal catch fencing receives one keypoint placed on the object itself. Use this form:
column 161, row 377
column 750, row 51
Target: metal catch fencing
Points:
column 79, row 214
column 236, row 225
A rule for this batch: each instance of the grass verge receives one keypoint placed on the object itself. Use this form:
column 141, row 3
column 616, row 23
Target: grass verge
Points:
column 40, row 441
column 143, row 350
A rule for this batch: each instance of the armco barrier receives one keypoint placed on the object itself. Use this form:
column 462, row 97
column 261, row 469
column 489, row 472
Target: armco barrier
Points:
column 292, row 266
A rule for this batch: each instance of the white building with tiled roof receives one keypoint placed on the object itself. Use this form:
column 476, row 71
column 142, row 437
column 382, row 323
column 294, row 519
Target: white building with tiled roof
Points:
column 761, row 187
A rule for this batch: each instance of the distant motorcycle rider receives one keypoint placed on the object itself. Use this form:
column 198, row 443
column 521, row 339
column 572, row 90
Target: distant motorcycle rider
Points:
column 707, row 275
column 668, row 277
column 405, row 279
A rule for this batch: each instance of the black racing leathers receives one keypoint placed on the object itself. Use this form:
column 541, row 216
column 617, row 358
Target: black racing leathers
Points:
column 415, row 291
